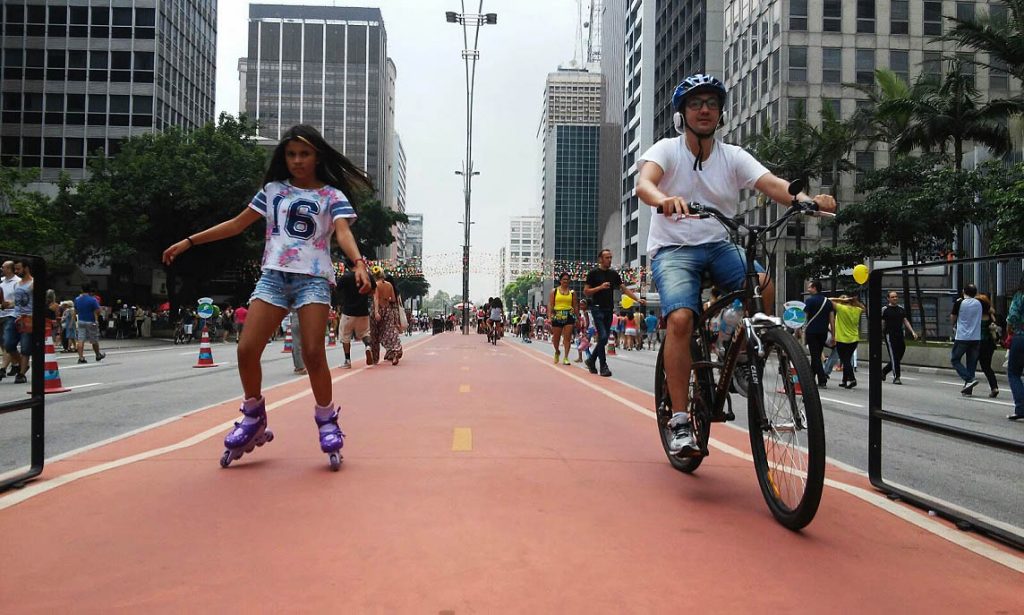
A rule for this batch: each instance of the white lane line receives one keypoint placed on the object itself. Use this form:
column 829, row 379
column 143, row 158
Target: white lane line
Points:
column 902, row 511
column 42, row 486
column 82, row 386
column 838, row 401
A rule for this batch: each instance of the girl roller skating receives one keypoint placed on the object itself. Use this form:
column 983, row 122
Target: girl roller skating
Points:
column 305, row 199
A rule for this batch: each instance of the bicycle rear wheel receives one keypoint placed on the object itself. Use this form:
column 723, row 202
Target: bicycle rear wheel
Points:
column 701, row 385
column 787, row 431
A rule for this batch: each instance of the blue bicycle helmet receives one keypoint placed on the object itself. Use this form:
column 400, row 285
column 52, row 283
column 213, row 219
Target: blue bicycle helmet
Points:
column 698, row 81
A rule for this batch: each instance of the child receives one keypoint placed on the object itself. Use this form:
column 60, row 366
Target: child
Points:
column 304, row 201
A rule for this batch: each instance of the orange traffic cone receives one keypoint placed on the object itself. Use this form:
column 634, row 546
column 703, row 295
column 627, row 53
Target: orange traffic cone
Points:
column 205, row 352
column 51, row 374
column 287, row 341
column 332, row 341
column 797, row 389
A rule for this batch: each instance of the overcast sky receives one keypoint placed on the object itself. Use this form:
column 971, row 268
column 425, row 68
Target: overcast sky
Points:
column 531, row 39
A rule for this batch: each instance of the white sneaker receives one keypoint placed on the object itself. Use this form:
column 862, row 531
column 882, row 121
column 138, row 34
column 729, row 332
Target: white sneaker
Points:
column 347, row 364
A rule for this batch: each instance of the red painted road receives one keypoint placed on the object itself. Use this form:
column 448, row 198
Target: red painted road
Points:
column 563, row 504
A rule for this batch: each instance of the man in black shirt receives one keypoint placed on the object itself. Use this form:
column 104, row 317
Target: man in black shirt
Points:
column 821, row 319
column 894, row 319
column 355, row 315
column 600, row 288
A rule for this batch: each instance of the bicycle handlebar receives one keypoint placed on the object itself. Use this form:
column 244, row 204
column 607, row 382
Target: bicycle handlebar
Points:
column 701, row 211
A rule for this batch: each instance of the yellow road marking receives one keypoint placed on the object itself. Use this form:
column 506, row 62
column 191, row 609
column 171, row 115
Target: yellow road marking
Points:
column 462, row 439
column 463, row 388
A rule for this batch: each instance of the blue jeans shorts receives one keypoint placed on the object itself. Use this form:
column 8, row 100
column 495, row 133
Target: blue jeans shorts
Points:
column 291, row 290
column 677, row 272
column 12, row 339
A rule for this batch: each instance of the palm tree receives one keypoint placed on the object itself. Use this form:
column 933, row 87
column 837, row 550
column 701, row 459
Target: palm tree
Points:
column 1000, row 36
column 951, row 113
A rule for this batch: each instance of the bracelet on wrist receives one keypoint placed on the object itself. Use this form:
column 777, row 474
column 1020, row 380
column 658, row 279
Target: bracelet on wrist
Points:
column 191, row 243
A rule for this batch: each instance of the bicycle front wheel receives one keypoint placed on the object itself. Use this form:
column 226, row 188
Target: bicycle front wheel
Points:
column 787, row 431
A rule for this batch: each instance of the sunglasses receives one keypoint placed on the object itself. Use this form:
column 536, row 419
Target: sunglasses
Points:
column 694, row 104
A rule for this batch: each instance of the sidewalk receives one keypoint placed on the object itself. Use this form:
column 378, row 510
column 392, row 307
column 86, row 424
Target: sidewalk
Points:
column 476, row 478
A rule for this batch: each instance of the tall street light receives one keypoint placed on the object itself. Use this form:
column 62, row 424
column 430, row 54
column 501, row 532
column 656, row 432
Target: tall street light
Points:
column 470, row 56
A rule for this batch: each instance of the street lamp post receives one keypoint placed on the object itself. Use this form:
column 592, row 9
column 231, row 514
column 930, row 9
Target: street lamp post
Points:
column 470, row 55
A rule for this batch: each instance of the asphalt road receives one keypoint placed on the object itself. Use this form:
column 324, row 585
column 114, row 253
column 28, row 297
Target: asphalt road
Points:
column 136, row 387
column 967, row 475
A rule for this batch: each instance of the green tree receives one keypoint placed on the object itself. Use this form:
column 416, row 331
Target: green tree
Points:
column 164, row 186
column 1003, row 192
column 1000, row 35
column 412, row 286
column 518, row 291
column 374, row 225
column 27, row 226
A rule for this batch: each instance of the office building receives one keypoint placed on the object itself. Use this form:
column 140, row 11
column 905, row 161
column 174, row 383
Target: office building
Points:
column 525, row 246
column 327, row 67
column 414, row 237
column 81, row 78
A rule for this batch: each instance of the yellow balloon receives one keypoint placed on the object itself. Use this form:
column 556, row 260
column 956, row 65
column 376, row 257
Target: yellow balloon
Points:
column 860, row 274
column 626, row 302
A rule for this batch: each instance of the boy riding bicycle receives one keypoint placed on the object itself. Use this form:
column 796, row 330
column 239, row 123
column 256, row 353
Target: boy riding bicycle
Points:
column 696, row 167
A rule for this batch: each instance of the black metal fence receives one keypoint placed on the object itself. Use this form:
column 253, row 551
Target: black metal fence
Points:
column 35, row 402
column 878, row 416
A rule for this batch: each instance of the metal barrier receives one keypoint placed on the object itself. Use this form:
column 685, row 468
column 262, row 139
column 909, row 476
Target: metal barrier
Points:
column 877, row 415
column 36, row 400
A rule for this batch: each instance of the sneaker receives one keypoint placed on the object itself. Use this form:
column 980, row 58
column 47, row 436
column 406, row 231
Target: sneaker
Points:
column 13, row 370
column 994, row 393
column 20, row 379
column 897, row 381
column 566, row 361
column 683, row 443
column 300, row 371
column 969, row 387
column 1015, row 417
column 100, row 357
column 556, row 357
column 369, row 357
column 347, row 364
column 605, row 371
column 591, row 366
column 82, row 360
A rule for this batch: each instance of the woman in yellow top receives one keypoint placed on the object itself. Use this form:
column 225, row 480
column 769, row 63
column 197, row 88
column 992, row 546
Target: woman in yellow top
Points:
column 848, row 313
column 564, row 313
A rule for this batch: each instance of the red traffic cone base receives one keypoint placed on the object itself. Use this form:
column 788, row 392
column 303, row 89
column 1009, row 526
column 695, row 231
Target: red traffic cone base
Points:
column 51, row 373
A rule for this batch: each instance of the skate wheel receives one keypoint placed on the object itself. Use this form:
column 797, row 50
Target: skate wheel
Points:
column 335, row 461
column 269, row 435
column 225, row 459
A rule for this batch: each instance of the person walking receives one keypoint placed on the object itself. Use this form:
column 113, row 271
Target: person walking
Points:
column 304, row 201
column 600, row 287
column 564, row 314
column 848, row 313
column 651, row 321
column 583, row 327
column 894, row 322
column 384, row 320
column 821, row 319
column 355, row 315
column 87, row 308
column 966, row 314
column 241, row 313
column 7, row 332
column 22, row 302
column 987, row 348
column 1015, row 358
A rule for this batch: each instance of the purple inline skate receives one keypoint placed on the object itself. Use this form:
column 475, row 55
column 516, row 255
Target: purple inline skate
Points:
column 247, row 434
column 331, row 439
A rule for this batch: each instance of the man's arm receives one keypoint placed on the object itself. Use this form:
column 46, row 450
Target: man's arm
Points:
column 906, row 323
column 777, row 189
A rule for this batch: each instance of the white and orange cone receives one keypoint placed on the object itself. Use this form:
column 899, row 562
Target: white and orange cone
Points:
column 287, row 341
column 51, row 373
column 205, row 352
column 332, row 341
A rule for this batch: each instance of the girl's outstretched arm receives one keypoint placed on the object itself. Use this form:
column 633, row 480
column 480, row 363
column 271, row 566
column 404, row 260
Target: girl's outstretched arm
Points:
column 348, row 245
column 228, row 228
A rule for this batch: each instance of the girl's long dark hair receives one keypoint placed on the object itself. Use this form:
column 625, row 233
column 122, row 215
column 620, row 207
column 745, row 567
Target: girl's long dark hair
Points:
column 332, row 167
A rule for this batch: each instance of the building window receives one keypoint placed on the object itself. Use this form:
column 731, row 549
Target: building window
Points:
column 832, row 18
column 932, row 18
column 865, row 164
column 967, row 67
column 931, row 65
column 965, row 11
column 798, row 63
column 998, row 79
column 899, row 62
column 865, row 66
column 865, row 15
column 833, row 104
column 900, row 13
column 831, row 65
column 798, row 15
column 797, row 110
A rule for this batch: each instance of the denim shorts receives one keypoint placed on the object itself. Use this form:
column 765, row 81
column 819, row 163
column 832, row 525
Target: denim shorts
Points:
column 291, row 290
column 12, row 339
column 677, row 272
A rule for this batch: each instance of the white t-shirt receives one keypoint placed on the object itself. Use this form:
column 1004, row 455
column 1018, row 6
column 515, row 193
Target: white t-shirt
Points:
column 728, row 170
column 8, row 285
column 299, row 226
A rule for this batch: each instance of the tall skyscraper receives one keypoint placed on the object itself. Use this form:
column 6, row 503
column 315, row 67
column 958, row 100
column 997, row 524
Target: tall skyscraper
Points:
column 612, row 31
column 398, row 193
column 327, row 67
column 570, row 134
column 81, row 78
column 665, row 42
column 525, row 247
column 414, row 237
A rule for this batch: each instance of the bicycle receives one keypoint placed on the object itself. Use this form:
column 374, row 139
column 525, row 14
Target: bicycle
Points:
column 787, row 435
